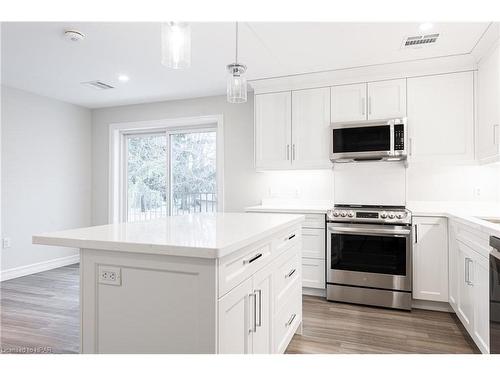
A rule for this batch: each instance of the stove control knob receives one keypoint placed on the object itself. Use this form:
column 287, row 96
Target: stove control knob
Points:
column 391, row 215
column 335, row 213
column 400, row 216
column 350, row 214
column 343, row 214
column 383, row 215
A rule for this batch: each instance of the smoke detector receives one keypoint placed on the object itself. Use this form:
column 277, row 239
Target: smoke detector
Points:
column 418, row 41
column 74, row 35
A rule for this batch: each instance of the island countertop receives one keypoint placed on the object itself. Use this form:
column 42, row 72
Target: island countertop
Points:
column 196, row 235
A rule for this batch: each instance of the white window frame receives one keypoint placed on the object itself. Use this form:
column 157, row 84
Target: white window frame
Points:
column 118, row 132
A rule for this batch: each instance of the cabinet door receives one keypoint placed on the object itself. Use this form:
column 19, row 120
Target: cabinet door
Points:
column 488, row 132
column 430, row 259
column 441, row 117
column 387, row 99
column 313, row 273
column 273, row 118
column 236, row 320
column 465, row 309
column 480, row 281
column 453, row 263
column 348, row 103
column 310, row 128
column 313, row 243
column 263, row 292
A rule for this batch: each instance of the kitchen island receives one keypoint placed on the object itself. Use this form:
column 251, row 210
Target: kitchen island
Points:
column 205, row 283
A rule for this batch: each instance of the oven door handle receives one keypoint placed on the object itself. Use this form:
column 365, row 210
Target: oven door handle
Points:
column 369, row 231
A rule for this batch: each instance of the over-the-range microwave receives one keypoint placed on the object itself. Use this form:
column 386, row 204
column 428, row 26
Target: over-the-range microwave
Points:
column 369, row 140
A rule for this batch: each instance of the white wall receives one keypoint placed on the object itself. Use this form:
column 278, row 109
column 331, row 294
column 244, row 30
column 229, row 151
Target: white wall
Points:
column 46, row 178
column 242, row 185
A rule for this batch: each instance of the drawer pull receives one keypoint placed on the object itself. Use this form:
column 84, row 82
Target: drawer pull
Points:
column 289, row 274
column 290, row 321
column 292, row 236
column 248, row 261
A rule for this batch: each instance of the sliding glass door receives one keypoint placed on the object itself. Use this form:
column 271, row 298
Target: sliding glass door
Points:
column 170, row 173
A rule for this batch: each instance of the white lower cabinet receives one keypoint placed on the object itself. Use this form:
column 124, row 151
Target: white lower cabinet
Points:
column 313, row 273
column 430, row 259
column 469, row 282
column 262, row 313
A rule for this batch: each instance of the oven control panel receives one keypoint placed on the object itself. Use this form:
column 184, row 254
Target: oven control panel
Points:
column 378, row 215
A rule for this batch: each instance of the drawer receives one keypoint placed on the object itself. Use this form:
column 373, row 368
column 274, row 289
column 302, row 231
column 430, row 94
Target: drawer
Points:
column 314, row 221
column 286, row 322
column 477, row 240
column 313, row 243
column 286, row 240
column 286, row 274
column 233, row 269
column 313, row 273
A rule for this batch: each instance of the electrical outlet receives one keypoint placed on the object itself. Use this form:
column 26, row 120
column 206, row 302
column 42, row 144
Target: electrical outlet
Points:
column 6, row 242
column 477, row 192
column 110, row 275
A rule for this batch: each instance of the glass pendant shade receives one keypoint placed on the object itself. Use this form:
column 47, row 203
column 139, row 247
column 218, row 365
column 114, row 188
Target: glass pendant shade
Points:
column 236, row 84
column 176, row 45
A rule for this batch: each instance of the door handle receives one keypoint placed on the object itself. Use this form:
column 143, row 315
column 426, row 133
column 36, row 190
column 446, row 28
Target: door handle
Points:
column 290, row 274
column 259, row 324
column 254, row 323
column 416, row 233
column 290, row 321
column 248, row 261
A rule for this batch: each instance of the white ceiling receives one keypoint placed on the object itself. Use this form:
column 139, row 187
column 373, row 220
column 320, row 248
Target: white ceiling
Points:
column 36, row 57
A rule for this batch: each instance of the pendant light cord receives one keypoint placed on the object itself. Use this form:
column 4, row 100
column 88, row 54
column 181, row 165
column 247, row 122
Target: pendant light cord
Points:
column 236, row 43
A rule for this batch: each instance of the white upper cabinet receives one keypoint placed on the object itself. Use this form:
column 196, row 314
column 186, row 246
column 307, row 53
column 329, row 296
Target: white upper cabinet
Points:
column 488, row 132
column 386, row 99
column 310, row 128
column 430, row 259
column 441, row 117
column 273, row 130
column 348, row 103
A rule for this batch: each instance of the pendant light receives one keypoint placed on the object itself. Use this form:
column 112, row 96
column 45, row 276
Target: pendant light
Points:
column 176, row 45
column 236, row 81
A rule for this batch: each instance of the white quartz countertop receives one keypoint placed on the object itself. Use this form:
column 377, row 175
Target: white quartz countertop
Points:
column 197, row 235
column 469, row 213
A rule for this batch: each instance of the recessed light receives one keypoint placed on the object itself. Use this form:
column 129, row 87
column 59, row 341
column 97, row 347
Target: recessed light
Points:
column 426, row 26
column 123, row 78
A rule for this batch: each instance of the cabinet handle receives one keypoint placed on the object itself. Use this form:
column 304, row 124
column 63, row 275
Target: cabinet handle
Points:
column 369, row 105
column 363, row 106
column 289, row 274
column 254, row 325
column 495, row 134
column 259, row 324
column 290, row 321
column 287, row 152
column 293, row 151
column 467, row 261
column 416, row 233
column 292, row 236
column 248, row 261
column 410, row 146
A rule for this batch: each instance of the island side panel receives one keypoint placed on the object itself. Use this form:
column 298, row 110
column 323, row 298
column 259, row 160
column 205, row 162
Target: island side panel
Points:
column 160, row 304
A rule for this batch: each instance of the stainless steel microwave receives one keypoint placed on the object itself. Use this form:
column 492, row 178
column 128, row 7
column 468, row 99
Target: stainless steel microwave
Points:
column 369, row 140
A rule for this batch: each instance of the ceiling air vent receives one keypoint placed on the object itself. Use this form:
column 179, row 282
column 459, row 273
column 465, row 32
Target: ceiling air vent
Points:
column 98, row 85
column 419, row 40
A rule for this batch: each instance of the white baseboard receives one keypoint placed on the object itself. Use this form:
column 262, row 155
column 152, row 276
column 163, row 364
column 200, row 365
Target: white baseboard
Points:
column 431, row 305
column 314, row 292
column 38, row 267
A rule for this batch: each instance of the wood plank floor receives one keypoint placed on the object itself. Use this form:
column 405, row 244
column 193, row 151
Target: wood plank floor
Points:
column 41, row 313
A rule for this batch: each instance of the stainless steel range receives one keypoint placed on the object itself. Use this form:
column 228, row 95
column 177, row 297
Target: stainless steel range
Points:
column 369, row 255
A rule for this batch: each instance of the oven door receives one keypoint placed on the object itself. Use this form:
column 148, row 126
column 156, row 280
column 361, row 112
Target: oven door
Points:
column 367, row 141
column 369, row 255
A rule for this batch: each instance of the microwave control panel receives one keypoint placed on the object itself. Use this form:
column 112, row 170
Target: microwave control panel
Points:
column 399, row 137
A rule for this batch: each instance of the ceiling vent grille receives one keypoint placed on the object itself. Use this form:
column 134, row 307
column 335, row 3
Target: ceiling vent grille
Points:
column 419, row 40
column 98, row 85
